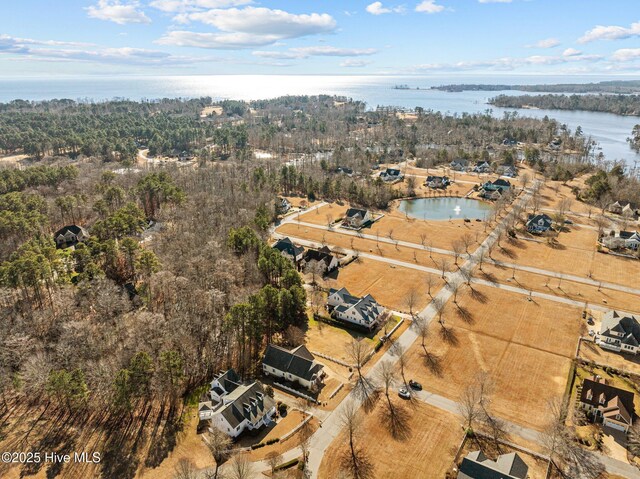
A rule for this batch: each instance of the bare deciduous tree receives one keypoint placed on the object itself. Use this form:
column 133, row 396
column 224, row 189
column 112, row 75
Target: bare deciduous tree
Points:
column 355, row 461
column 219, row 445
column 358, row 352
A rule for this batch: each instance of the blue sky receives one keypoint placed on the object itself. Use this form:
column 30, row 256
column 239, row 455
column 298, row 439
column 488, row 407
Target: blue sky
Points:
column 149, row 37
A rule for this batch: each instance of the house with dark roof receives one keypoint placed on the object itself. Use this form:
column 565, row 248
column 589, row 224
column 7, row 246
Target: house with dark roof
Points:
column 289, row 250
column 356, row 218
column 476, row 465
column 621, row 240
column 509, row 171
column 490, row 195
column 437, row 182
column 297, row 365
column 344, row 170
column 607, row 404
column 619, row 333
column 322, row 257
column 538, row 224
column 283, row 205
column 236, row 407
column 391, row 174
column 459, row 164
column 482, row 167
column 499, row 184
column 364, row 312
column 70, row 235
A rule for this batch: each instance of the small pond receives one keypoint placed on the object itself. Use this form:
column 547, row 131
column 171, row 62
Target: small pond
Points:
column 445, row 208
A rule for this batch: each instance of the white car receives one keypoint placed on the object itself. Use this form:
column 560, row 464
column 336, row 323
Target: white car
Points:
column 404, row 394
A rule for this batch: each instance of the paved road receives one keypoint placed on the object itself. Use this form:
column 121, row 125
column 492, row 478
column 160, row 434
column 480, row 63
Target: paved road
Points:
column 332, row 424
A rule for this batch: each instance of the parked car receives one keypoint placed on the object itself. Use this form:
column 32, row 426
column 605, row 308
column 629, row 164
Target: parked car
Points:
column 568, row 222
column 404, row 394
column 415, row 385
column 592, row 332
column 590, row 321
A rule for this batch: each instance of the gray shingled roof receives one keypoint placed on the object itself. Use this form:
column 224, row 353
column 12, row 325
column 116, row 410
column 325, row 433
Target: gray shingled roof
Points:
column 252, row 396
column 298, row 361
column 285, row 245
column 477, row 466
column 606, row 397
column 367, row 306
column 627, row 325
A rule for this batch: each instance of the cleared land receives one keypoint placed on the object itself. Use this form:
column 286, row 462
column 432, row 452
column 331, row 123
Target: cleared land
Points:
column 336, row 238
column 389, row 284
column 427, row 451
column 526, row 347
column 574, row 254
column 562, row 288
column 623, row 362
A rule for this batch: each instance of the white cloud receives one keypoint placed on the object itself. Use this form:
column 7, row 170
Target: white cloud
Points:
column 545, row 43
column 626, row 54
column 51, row 50
column 117, row 12
column 571, row 52
column 611, row 32
column 194, row 5
column 429, row 6
column 376, row 8
column 510, row 63
column 306, row 52
column 352, row 63
column 248, row 27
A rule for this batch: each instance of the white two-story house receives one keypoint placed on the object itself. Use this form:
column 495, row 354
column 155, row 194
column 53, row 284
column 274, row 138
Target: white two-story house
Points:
column 619, row 333
column 365, row 311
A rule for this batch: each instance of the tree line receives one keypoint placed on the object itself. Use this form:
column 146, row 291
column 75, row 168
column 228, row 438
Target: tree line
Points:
column 616, row 104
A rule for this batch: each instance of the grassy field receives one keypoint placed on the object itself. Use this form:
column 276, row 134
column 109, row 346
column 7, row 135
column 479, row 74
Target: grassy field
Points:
column 367, row 276
column 524, row 346
column 623, row 362
column 428, row 451
column 575, row 254
column 338, row 239
column 559, row 287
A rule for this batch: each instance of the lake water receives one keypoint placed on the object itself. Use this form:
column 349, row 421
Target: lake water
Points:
column 444, row 208
column 610, row 131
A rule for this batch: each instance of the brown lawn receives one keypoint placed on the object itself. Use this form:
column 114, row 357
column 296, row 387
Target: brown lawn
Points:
column 560, row 287
column 367, row 276
column 575, row 254
column 336, row 239
column 321, row 216
column 623, row 362
column 524, row 346
column 428, row 451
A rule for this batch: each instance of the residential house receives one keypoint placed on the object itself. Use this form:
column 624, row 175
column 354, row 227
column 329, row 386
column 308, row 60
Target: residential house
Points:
column 619, row 333
column 364, row 312
column 70, row 235
column 499, row 184
column 490, row 195
column 356, row 218
column 345, row 170
column 629, row 211
column 289, row 250
column 283, row 205
column 621, row 240
column 482, row 167
column 476, row 465
column 297, row 365
column 609, row 404
column 459, row 165
column 509, row 171
column 437, row 182
column 235, row 407
column 322, row 257
column 539, row 223
column 391, row 174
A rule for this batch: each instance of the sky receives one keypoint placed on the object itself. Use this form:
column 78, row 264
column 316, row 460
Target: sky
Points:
column 421, row 37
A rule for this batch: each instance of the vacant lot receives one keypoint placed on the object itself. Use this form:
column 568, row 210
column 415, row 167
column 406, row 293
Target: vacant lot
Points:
column 575, row 254
column 324, row 215
column 524, row 346
column 339, row 238
column 390, row 285
column 427, row 451
column 550, row 284
column 623, row 362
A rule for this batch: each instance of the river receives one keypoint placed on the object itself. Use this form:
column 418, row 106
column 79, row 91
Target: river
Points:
column 610, row 131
